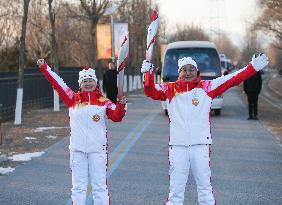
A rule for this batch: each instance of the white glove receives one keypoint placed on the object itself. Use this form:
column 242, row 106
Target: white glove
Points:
column 147, row 66
column 40, row 62
column 259, row 62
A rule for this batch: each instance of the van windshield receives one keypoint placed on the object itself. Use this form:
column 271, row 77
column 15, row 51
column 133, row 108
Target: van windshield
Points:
column 207, row 60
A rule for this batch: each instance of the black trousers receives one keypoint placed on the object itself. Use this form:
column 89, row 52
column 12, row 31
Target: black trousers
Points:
column 112, row 96
column 253, row 104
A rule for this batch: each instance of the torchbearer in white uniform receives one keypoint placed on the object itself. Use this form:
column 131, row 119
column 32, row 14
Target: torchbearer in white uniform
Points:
column 88, row 110
column 189, row 103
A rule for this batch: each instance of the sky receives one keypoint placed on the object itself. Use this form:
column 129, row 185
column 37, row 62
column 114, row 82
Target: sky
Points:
column 229, row 16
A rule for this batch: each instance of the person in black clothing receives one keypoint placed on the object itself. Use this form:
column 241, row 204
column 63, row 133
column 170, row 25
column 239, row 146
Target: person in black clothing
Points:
column 110, row 82
column 252, row 87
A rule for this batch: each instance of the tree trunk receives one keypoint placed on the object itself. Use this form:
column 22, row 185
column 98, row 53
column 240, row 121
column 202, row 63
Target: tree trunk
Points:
column 54, row 51
column 19, row 100
column 22, row 45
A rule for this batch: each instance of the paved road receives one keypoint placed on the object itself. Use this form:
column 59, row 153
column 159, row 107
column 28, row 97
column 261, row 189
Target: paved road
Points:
column 246, row 162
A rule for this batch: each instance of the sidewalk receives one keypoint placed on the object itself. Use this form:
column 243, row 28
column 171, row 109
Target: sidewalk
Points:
column 275, row 84
column 40, row 129
column 269, row 115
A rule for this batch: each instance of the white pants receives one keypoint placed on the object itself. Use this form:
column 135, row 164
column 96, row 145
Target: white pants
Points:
column 93, row 165
column 181, row 158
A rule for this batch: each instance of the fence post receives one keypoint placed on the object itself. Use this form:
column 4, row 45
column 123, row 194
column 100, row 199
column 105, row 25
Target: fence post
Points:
column 19, row 104
column 56, row 101
column 130, row 83
column 125, row 84
column 1, row 132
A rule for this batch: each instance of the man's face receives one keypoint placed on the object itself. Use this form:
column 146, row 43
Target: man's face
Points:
column 88, row 85
column 111, row 66
column 188, row 73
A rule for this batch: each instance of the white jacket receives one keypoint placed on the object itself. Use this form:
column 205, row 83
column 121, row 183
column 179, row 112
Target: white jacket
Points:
column 87, row 112
column 189, row 104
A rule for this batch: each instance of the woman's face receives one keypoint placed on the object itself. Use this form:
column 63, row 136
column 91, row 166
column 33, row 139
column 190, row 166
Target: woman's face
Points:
column 88, row 85
column 188, row 73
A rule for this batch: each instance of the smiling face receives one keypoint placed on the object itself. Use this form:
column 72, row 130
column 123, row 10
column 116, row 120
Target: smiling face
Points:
column 188, row 72
column 88, row 84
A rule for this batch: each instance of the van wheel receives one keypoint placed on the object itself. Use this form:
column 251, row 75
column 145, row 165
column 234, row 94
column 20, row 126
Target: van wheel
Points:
column 217, row 112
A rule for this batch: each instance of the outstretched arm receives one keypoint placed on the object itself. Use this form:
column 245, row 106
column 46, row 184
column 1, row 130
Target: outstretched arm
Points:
column 117, row 111
column 65, row 93
column 152, row 90
column 219, row 85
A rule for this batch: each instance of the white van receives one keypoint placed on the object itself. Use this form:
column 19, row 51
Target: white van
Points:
column 206, row 56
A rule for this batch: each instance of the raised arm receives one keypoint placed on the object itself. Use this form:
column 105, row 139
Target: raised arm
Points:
column 219, row 85
column 65, row 93
column 154, row 91
column 117, row 111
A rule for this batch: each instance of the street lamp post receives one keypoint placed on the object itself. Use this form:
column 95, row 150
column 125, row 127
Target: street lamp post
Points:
column 113, row 38
column 111, row 11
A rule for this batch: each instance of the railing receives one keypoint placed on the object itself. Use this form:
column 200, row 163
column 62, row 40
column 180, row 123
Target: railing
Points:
column 37, row 92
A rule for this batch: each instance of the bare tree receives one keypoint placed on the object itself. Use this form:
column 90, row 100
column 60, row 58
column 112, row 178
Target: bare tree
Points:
column 38, row 39
column 54, row 52
column 94, row 10
column 9, row 34
column 252, row 46
column 275, row 54
column 188, row 33
column 18, row 110
column 225, row 45
column 270, row 20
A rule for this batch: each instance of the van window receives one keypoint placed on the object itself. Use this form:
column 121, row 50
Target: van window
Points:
column 207, row 60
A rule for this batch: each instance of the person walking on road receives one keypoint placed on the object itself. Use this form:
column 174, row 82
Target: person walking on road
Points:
column 88, row 141
column 252, row 88
column 110, row 82
column 189, row 102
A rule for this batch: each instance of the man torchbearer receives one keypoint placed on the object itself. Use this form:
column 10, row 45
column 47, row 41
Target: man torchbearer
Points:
column 189, row 104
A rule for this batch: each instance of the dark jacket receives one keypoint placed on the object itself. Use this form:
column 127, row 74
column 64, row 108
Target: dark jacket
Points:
column 253, row 84
column 110, row 84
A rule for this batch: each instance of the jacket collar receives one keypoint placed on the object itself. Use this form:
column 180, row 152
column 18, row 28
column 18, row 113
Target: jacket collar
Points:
column 96, row 92
column 191, row 84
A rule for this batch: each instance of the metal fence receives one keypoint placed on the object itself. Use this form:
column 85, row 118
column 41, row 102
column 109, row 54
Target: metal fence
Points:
column 37, row 90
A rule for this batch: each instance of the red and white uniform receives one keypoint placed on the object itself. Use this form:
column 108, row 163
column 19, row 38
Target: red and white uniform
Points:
column 88, row 140
column 189, row 105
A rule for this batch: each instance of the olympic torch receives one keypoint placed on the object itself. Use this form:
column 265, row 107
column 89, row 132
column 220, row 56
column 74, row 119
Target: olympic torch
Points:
column 122, row 55
column 151, row 35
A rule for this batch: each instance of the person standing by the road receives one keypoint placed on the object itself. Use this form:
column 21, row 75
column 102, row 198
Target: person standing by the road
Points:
column 88, row 140
column 252, row 88
column 189, row 102
column 110, row 82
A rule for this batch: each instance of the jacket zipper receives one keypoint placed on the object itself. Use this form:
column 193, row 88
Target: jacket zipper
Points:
column 187, row 113
column 87, row 121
